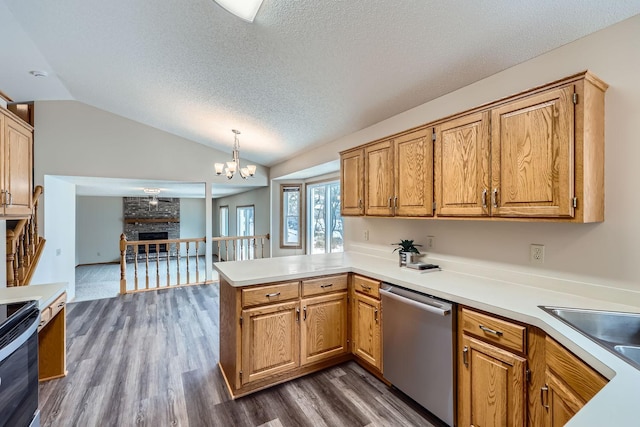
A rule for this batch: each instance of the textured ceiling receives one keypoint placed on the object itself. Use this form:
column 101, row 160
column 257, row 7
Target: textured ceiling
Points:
column 304, row 73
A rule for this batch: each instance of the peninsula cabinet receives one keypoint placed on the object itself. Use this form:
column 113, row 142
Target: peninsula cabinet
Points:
column 399, row 175
column 16, row 157
column 275, row 332
column 539, row 154
column 352, row 183
column 367, row 322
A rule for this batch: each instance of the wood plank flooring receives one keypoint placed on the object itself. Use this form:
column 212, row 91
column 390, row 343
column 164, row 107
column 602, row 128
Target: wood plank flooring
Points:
column 150, row 359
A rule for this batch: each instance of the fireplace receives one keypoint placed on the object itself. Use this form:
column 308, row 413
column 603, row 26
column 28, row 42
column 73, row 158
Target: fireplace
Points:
column 157, row 235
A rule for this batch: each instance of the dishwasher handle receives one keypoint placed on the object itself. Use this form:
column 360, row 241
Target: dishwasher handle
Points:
column 442, row 311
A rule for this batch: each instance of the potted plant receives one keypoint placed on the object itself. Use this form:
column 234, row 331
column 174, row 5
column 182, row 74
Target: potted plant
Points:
column 405, row 247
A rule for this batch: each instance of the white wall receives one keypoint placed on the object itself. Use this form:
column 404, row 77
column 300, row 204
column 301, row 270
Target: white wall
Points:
column 192, row 221
column 98, row 229
column 57, row 263
column 606, row 253
column 259, row 198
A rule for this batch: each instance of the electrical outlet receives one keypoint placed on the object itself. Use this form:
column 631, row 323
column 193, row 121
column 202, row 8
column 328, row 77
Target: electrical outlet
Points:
column 366, row 234
column 536, row 254
column 431, row 242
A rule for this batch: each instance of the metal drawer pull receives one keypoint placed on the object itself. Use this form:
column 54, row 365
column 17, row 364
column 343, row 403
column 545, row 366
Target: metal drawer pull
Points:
column 326, row 286
column 491, row 331
column 61, row 305
column 544, row 391
column 276, row 294
column 465, row 356
column 365, row 287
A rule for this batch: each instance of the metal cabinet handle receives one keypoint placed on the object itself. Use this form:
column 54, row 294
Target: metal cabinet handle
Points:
column 366, row 288
column 491, row 331
column 304, row 311
column 326, row 286
column 395, row 202
column 390, row 205
column 484, row 198
column 10, row 198
column 375, row 315
column 494, row 198
column 297, row 315
column 465, row 356
column 359, row 203
column 276, row 294
column 544, row 392
column 61, row 305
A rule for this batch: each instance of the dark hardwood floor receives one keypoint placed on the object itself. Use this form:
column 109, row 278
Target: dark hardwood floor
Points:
column 150, row 359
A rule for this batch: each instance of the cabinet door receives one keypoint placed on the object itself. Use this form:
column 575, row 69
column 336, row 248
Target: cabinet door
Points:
column 366, row 330
column 379, row 179
column 18, row 143
column 414, row 174
column 532, row 156
column 351, row 183
column 324, row 327
column 462, row 169
column 270, row 340
column 561, row 402
column 492, row 388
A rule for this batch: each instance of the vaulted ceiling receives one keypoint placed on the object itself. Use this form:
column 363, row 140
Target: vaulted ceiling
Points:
column 303, row 74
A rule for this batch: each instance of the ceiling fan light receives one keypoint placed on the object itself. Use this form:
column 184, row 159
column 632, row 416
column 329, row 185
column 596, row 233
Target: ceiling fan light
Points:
column 243, row 9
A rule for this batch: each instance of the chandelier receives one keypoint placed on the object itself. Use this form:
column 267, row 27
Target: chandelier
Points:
column 230, row 168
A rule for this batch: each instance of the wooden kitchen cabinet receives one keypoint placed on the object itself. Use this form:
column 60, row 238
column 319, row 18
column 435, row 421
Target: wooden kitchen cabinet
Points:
column 52, row 340
column 366, row 322
column 16, row 156
column 378, row 178
column 570, row 384
column 270, row 340
column 462, row 166
column 352, row 183
column 324, row 327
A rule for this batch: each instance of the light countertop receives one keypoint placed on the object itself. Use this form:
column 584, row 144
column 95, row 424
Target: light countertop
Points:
column 44, row 294
column 615, row 404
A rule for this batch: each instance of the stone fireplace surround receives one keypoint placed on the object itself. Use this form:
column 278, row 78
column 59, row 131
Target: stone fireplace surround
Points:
column 140, row 217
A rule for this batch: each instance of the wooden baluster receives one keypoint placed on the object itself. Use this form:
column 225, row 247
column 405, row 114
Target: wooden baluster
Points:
column 197, row 263
column 168, row 262
column 219, row 259
column 253, row 249
column 146, row 264
column 188, row 271
column 123, row 264
column 135, row 260
column 178, row 264
column 16, row 275
column 262, row 247
column 226, row 246
column 157, row 265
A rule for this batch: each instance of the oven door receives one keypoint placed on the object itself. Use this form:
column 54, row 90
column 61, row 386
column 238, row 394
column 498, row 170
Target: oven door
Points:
column 19, row 374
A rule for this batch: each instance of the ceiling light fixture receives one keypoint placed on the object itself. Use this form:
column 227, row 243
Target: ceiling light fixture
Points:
column 243, row 9
column 234, row 165
column 153, row 193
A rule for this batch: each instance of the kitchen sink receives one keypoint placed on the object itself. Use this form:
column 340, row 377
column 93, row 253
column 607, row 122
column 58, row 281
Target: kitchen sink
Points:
column 618, row 332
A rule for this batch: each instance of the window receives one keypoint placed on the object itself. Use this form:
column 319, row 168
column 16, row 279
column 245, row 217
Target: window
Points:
column 290, row 216
column 245, row 227
column 324, row 223
column 224, row 221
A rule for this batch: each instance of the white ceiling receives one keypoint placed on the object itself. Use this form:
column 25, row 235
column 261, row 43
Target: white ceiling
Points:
column 306, row 72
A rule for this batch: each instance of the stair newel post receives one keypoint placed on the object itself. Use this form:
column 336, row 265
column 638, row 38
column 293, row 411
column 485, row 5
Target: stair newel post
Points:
column 123, row 264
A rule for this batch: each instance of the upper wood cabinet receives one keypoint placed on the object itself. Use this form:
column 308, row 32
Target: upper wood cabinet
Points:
column 399, row 175
column 352, row 183
column 16, row 157
column 462, row 166
column 537, row 155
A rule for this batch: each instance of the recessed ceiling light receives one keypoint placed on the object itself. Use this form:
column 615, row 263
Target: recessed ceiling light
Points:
column 243, row 9
column 38, row 73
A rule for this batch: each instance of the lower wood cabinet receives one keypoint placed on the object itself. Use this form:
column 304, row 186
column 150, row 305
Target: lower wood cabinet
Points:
column 366, row 333
column 492, row 386
column 324, row 327
column 52, row 340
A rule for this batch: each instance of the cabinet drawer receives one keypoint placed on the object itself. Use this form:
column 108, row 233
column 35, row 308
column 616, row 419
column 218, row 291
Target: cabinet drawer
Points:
column 324, row 285
column 58, row 304
column 366, row 286
column 492, row 329
column 45, row 316
column 270, row 294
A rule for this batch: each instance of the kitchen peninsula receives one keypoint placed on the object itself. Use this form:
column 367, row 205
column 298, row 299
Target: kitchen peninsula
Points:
column 514, row 296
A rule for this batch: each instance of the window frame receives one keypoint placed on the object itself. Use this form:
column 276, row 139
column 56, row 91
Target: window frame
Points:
column 220, row 209
column 309, row 239
column 301, row 225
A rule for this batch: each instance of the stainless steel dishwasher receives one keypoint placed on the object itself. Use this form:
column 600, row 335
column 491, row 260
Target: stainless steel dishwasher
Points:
column 418, row 342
